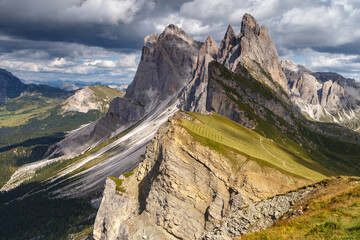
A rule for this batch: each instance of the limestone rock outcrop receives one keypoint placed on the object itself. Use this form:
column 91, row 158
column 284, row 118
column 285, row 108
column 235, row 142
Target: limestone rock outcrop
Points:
column 183, row 189
column 322, row 96
column 166, row 65
column 255, row 50
column 195, row 94
column 257, row 216
column 251, row 54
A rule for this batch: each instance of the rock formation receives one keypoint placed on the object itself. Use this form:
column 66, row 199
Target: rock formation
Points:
column 255, row 50
column 187, row 190
column 183, row 189
column 195, row 94
column 322, row 96
column 166, row 65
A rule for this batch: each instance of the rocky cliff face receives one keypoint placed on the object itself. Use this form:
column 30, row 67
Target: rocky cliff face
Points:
column 251, row 54
column 166, row 65
column 183, row 189
column 195, row 94
column 255, row 50
column 322, row 96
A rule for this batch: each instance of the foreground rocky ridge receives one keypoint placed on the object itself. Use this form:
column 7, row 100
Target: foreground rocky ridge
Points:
column 183, row 189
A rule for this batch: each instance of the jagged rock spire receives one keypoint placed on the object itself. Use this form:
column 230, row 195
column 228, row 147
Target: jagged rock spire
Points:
column 249, row 25
column 254, row 49
column 227, row 43
column 210, row 47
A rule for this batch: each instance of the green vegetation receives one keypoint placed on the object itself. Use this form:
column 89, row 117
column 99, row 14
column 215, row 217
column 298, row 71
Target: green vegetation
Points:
column 105, row 94
column 336, row 154
column 118, row 183
column 128, row 174
column 39, row 216
column 32, row 122
column 332, row 213
column 215, row 130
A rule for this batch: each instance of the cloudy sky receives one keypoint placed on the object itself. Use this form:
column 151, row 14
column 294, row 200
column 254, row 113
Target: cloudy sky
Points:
column 101, row 40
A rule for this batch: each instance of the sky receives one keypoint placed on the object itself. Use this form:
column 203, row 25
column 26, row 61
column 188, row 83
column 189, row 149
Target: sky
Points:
column 101, row 40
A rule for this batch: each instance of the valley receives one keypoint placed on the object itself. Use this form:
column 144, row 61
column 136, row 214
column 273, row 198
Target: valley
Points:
column 38, row 118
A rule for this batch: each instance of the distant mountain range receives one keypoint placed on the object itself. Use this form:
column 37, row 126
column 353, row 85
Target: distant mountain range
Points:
column 32, row 117
column 69, row 85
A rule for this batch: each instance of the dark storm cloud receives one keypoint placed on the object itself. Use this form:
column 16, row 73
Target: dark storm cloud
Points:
column 104, row 23
column 349, row 48
column 73, row 33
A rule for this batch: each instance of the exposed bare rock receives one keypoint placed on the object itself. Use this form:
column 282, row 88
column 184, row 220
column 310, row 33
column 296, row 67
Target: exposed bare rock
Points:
column 322, row 96
column 109, row 223
column 350, row 85
column 228, row 92
column 257, row 216
column 166, row 65
column 183, row 189
column 256, row 51
column 227, row 43
column 82, row 101
column 195, row 94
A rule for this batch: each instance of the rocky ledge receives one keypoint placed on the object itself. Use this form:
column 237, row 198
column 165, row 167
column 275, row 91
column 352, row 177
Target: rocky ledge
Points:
column 184, row 190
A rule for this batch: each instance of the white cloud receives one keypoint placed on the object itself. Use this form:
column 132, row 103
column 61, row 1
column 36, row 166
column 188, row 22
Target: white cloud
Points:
column 61, row 63
column 76, row 11
column 102, row 11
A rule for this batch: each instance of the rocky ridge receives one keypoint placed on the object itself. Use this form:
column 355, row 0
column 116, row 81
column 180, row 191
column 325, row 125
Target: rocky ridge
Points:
column 11, row 86
column 323, row 96
column 179, row 173
column 166, row 65
column 252, row 50
column 82, row 101
column 258, row 216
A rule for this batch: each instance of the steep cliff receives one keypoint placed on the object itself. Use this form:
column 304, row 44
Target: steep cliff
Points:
column 166, row 65
column 185, row 188
column 252, row 51
column 255, row 50
column 323, row 96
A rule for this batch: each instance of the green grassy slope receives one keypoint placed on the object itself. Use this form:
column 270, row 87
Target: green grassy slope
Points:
column 334, row 147
column 331, row 213
column 221, row 133
column 105, row 94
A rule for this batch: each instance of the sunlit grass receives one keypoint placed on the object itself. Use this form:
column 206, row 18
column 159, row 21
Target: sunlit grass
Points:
column 333, row 213
column 215, row 129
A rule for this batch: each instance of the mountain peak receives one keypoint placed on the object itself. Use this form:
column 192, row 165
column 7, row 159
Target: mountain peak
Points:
column 228, row 41
column 210, row 47
column 151, row 39
column 249, row 25
column 10, row 86
column 288, row 64
column 173, row 30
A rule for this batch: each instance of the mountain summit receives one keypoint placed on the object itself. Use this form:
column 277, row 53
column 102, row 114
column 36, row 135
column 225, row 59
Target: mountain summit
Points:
column 10, row 86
